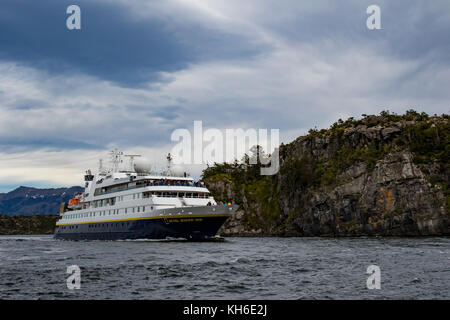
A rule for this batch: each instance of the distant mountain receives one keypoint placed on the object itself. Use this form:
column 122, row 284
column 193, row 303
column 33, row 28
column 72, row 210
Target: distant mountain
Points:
column 33, row 201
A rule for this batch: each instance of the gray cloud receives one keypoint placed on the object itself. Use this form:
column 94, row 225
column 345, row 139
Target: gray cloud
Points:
column 138, row 72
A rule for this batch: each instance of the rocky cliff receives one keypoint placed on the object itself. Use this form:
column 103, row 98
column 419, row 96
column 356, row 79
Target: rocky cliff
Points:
column 382, row 175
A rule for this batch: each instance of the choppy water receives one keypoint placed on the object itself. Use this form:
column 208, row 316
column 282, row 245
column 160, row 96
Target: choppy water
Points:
column 34, row 267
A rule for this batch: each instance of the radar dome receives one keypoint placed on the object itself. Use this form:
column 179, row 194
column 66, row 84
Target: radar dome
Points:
column 177, row 171
column 142, row 165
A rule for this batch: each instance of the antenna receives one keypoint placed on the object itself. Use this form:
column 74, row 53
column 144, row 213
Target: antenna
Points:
column 132, row 156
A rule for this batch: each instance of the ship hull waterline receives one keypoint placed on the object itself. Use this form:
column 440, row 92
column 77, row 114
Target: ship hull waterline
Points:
column 172, row 225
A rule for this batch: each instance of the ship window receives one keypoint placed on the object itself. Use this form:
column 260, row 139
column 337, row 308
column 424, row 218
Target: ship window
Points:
column 126, row 210
column 133, row 209
column 143, row 208
column 139, row 209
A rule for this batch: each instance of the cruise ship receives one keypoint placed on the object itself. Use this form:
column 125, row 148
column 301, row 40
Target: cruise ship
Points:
column 135, row 203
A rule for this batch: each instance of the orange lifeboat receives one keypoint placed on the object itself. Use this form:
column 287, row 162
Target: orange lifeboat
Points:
column 74, row 201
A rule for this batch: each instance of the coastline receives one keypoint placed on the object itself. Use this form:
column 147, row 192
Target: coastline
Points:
column 45, row 224
column 27, row 225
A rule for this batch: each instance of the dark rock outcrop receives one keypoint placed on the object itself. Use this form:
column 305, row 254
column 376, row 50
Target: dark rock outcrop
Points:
column 36, row 224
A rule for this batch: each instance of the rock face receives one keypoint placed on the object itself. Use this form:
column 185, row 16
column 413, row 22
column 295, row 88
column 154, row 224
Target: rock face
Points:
column 382, row 175
column 393, row 199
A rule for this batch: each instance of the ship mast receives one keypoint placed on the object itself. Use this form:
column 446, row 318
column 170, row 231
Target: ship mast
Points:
column 132, row 156
column 116, row 159
column 169, row 163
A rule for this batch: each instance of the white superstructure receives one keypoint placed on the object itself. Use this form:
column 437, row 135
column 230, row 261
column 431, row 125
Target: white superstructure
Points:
column 117, row 195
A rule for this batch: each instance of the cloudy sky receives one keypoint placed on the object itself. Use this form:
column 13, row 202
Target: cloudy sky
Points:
column 137, row 70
